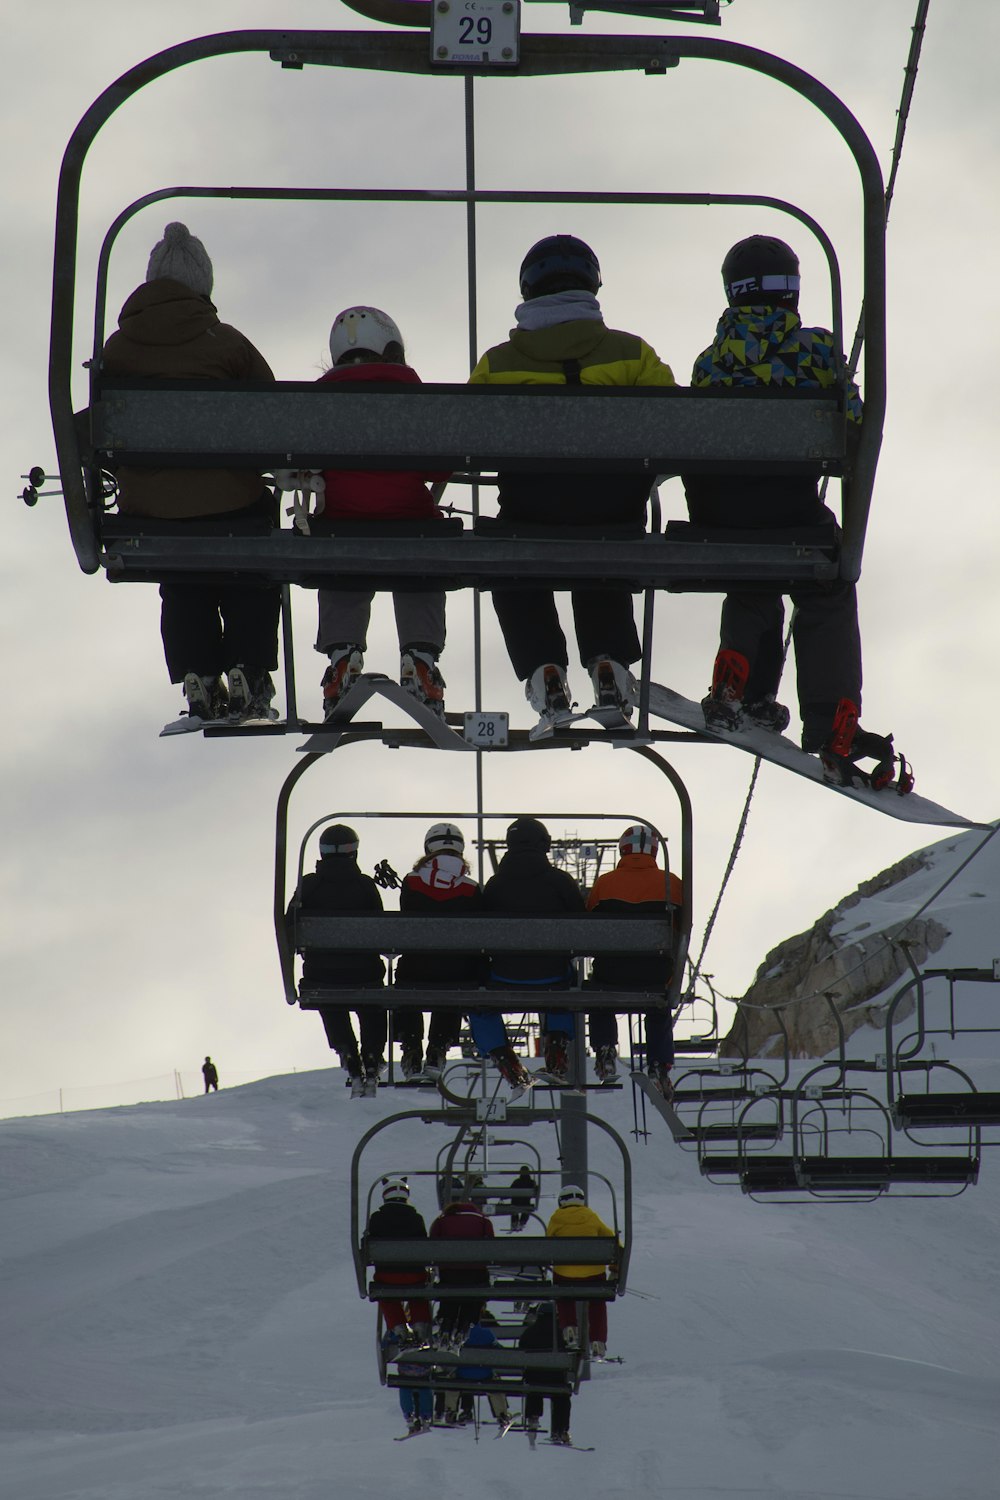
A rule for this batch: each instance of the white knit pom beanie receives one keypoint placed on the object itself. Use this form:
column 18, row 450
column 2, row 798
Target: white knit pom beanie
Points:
column 183, row 258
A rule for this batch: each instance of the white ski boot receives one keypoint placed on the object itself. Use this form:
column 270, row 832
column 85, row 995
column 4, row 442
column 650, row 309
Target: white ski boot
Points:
column 615, row 689
column 547, row 690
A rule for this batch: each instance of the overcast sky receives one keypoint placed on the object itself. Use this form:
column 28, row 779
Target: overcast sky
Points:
column 136, row 921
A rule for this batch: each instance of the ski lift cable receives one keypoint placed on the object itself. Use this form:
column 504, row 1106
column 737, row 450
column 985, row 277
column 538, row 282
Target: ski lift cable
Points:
column 902, row 115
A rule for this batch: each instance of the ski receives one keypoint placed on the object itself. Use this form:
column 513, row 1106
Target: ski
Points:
column 504, row 1428
column 580, row 1447
column 405, row 1437
column 608, row 718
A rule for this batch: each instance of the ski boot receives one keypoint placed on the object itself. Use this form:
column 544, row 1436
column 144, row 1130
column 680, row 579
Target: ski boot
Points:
column 425, row 1424
column 598, row 1349
column 419, row 675
column 723, row 708
column 207, row 697
column 562, row 1439
column 346, row 662
column 571, row 1337
column 434, row 1062
column 614, row 686
column 547, row 691
column 849, row 743
column 411, row 1063
column 767, row 713
column 369, row 1086
column 556, row 1068
column 512, row 1070
column 606, row 1064
column 659, row 1076
column 250, row 693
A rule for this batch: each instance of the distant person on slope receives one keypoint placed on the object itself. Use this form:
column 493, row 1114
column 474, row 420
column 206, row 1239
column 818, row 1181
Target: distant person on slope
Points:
column 210, row 1073
column 212, row 626
column 439, row 885
column 760, row 341
column 636, row 887
column 337, row 886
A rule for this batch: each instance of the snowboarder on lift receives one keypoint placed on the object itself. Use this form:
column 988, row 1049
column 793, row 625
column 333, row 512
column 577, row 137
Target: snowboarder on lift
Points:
column 338, row 886
column 636, row 887
column 211, row 628
column 526, row 884
column 760, row 341
column 561, row 339
column 439, row 885
column 365, row 346
column 210, row 1073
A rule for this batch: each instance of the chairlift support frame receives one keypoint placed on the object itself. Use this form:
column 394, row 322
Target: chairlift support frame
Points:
column 115, row 431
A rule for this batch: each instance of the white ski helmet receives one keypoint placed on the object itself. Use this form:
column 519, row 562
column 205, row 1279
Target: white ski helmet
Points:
column 395, row 1190
column 363, row 330
column 444, row 836
column 571, row 1193
column 638, row 839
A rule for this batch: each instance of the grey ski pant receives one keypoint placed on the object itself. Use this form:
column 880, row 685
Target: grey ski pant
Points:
column 344, row 615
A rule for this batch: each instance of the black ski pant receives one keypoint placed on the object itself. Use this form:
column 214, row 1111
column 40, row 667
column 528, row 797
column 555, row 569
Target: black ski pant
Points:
column 211, row 624
column 458, row 1314
column 827, row 644
column 444, row 1030
column 534, row 1405
column 603, row 618
column 602, row 1029
column 373, row 1024
column 825, row 630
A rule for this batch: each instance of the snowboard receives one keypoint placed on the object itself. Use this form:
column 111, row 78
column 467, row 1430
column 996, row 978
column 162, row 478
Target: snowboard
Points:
column 666, row 704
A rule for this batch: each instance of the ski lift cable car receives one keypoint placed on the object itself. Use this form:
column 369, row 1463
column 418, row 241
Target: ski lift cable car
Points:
column 392, row 932
column 508, row 1253
column 965, row 1107
column 654, row 431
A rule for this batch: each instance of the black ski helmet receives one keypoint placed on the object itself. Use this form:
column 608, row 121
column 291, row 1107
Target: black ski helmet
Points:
column 559, row 263
column 761, row 269
column 338, row 839
column 529, row 833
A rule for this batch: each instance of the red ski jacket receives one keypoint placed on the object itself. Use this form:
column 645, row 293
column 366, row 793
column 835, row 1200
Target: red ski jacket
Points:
column 377, row 494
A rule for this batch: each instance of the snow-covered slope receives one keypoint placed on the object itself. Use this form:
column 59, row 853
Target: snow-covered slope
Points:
column 180, row 1319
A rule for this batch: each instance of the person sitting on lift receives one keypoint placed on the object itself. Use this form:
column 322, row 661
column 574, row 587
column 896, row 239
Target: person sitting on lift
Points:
column 366, row 345
column 636, row 887
column 573, row 1219
column 210, row 626
column 439, row 885
column 527, row 884
column 338, row 886
column 760, row 341
column 561, row 339
column 408, row 1320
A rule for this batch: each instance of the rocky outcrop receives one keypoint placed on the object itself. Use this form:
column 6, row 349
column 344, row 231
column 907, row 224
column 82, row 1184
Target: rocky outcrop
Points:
column 804, row 974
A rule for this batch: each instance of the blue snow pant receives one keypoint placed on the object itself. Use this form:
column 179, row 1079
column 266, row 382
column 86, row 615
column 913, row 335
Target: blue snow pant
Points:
column 416, row 1401
column 489, row 1031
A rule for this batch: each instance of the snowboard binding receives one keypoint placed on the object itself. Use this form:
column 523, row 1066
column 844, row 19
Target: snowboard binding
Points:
column 849, row 743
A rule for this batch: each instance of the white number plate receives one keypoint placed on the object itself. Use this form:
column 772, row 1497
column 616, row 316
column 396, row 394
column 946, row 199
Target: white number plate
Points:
column 480, row 32
column 487, row 731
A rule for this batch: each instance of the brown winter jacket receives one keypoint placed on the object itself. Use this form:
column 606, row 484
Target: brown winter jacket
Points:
column 167, row 330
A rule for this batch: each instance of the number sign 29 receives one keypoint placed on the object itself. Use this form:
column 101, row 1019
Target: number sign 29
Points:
column 480, row 33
